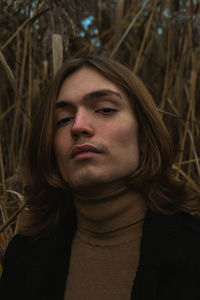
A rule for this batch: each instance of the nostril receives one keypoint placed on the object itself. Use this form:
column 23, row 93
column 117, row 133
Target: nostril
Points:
column 77, row 134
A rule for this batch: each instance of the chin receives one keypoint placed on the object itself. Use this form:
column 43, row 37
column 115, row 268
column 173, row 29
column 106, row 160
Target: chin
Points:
column 88, row 180
column 84, row 183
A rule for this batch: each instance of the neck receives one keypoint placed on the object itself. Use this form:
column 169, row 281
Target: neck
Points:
column 116, row 212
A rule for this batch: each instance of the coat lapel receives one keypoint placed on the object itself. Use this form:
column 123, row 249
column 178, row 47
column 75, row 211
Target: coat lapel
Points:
column 45, row 263
column 161, row 256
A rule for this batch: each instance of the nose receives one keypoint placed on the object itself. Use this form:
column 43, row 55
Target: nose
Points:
column 82, row 125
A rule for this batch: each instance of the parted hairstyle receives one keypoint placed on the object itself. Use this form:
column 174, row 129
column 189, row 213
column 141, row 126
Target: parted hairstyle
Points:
column 49, row 200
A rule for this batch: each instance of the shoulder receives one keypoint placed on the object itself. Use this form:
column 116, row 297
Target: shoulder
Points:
column 191, row 227
column 179, row 220
column 22, row 249
column 26, row 265
column 179, row 229
column 191, row 237
column 15, row 247
column 14, row 255
column 192, row 222
column 13, row 274
column 17, row 242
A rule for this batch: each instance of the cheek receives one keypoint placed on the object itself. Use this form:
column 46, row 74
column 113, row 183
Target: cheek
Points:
column 125, row 136
column 125, row 146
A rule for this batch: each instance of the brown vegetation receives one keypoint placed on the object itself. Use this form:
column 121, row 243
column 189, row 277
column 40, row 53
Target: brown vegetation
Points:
column 159, row 40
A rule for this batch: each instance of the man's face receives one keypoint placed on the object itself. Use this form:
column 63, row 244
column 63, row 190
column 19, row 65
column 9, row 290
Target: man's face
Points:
column 95, row 142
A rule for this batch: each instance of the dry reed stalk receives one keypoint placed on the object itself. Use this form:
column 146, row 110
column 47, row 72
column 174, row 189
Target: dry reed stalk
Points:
column 15, row 134
column 191, row 101
column 128, row 29
column 57, row 50
column 192, row 183
column 3, row 198
column 53, row 26
column 147, row 30
column 193, row 149
column 166, row 79
column 194, row 152
column 19, row 196
column 173, row 107
column 11, row 219
column 118, row 20
column 29, row 21
column 18, row 55
column 9, row 73
column 27, row 114
column 4, row 114
column 189, row 161
column 24, row 57
column 193, row 85
column 193, row 79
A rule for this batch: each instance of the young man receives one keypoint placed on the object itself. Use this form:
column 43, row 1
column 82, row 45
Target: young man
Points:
column 105, row 217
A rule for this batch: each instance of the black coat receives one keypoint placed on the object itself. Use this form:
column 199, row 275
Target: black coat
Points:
column 169, row 267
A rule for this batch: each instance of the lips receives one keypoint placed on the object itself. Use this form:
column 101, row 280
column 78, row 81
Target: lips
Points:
column 83, row 148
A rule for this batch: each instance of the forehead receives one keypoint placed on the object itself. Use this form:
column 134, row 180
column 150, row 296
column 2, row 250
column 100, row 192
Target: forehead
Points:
column 85, row 81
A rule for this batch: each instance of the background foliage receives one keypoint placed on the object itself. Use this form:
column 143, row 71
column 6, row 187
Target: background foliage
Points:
column 159, row 40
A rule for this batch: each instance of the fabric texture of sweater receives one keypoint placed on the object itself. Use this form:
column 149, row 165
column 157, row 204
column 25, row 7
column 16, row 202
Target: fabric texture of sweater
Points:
column 105, row 251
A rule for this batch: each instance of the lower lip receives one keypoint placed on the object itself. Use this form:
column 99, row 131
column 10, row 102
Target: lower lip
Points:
column 84, row 155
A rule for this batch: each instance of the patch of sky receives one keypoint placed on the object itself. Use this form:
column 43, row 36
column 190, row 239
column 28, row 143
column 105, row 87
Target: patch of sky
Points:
column 95, row 31
column 95, row 42
column 25, row 11
column 33, row 4
column 187, row 3
column 87, row 22
column 183, row 3
column 166, row 12
column 81, row 34
column 160, row 31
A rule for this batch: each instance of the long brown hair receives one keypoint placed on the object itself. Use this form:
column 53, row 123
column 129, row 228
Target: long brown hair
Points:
column 49, row 200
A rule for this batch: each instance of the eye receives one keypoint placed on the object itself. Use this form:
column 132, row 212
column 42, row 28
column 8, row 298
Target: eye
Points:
column 64, row 121
column 106, row 110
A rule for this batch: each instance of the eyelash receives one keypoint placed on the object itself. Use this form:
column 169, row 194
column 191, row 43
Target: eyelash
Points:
column 109, row 110
column 64, row 120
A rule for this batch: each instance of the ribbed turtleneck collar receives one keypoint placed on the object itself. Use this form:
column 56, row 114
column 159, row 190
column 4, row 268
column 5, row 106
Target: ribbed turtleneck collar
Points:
column 112, row 219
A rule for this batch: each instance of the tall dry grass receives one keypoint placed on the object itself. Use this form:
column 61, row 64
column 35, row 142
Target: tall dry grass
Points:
column 159, row 40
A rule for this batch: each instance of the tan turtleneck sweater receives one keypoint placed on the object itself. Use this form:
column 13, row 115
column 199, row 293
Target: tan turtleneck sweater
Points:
column 106, row 247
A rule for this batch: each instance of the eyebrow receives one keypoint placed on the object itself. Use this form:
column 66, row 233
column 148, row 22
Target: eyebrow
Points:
column 92, row 95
